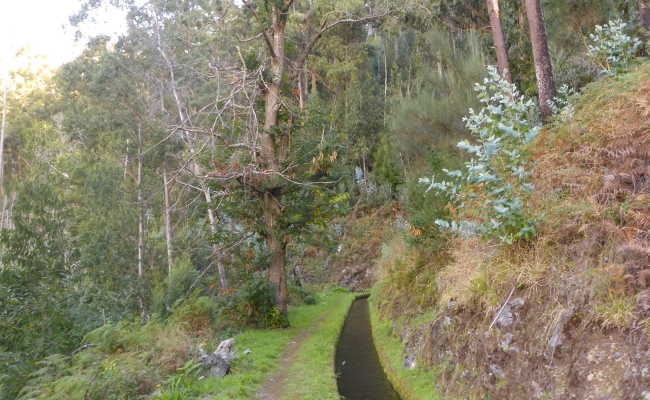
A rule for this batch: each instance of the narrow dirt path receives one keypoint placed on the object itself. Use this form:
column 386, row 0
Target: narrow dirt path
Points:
column 273, row 388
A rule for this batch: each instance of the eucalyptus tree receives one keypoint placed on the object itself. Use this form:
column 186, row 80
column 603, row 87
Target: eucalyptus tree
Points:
column 184, row 47
column 110, row 117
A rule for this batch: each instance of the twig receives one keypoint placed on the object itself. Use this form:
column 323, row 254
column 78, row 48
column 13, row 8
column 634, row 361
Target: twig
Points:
column 505, row 303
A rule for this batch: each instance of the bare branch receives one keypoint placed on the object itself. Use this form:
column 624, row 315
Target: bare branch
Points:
column 327, row 26
column 250, row 39
column 264, row 33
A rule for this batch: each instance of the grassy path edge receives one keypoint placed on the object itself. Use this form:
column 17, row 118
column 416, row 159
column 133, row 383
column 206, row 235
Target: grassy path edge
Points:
column 414, row 384
column 312, row 375
column 250, row 371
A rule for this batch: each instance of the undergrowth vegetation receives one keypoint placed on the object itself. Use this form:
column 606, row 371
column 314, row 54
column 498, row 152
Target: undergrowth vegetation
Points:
column 130, row 360
column 612, row 48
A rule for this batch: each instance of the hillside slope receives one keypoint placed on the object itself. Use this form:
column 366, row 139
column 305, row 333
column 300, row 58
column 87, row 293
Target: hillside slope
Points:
column 568, row 315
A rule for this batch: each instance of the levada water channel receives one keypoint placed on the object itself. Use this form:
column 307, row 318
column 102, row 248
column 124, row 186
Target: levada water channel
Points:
column 359, row 372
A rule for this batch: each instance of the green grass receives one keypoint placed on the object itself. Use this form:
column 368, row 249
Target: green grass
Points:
column 250, row 371
column 415, row 384
column 312, row 375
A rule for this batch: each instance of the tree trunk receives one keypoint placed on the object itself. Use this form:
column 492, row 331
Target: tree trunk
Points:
column 543, row 67
column 302, row 83
column 644, row 14
column 4, row 212
column 140, row 208
column 126, row 159
column 168, row 223
column 6, row 220
column 277, row 246
column 271, row 155
column 3, row 128
column 223, row 279
column 314, row 83
column 385, row 82
column 195, row 166
column 499, row 40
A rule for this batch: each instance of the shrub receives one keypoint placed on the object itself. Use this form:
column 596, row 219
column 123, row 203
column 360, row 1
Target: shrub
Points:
column 488, row 197
column 300, row 294
column 561, row 105
column 252, row 304
column 199, row 313
column 423, row 209
column 175, row 288
column 404, row 266
column 14, row 370
column 111, row 337
column 611, row 48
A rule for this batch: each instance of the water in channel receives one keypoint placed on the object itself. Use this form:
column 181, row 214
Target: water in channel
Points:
column 359, row 372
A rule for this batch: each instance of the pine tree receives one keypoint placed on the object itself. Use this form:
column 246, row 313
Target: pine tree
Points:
column 499, row 39
column 542, row 58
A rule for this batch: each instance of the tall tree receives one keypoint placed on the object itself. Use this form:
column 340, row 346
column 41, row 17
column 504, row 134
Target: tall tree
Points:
column 644, row 14
column 168, row 224
column 499, row 38
column 542, row 58
column 3, row 126
column 275, row 138
column 217, row 94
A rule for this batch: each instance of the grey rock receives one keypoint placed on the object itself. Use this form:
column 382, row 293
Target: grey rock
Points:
column 410, row 361
column 517, row 302
column 226, row 349
column 557, row 338
column 505, row 344
column 505, row 318
column 248, row 351
column 339, row 230
column 643, row 301
column 218, row 363
column 537, row 390
column 496, row 370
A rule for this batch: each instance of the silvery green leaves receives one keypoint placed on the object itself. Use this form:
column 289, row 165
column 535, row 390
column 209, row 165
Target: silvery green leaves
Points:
column 611, row 48
column 496, row 175
column 561, row 105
